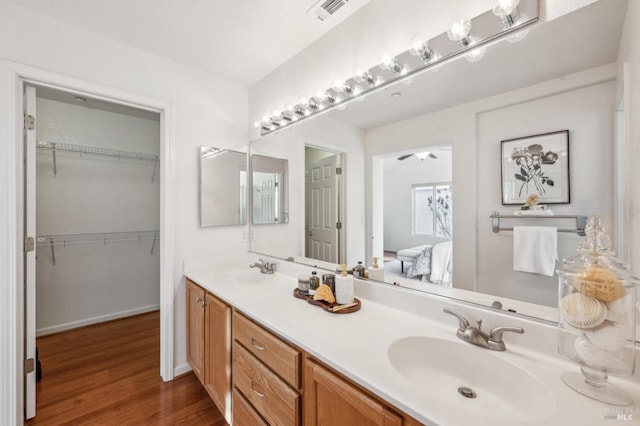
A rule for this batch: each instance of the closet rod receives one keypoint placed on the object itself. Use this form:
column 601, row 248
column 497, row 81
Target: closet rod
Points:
column 581, row 221
column 83, row 149
column 93, row 238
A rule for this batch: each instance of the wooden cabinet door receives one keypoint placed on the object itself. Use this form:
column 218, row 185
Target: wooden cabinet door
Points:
column 217, row 353
column 330, row 400
column 195, row 328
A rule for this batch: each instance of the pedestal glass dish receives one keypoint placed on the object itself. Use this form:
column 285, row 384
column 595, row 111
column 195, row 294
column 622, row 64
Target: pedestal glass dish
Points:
column 596, row 305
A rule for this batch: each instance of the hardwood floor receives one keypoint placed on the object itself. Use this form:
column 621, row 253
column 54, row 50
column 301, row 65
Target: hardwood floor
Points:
column 109, row 374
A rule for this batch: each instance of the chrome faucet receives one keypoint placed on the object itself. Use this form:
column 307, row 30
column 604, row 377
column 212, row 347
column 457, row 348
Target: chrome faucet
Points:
column 472, row 334
column 265, row 267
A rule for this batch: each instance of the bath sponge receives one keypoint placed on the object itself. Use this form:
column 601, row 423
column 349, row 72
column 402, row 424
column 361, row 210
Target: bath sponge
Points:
column 599, row 282
column 582, row 311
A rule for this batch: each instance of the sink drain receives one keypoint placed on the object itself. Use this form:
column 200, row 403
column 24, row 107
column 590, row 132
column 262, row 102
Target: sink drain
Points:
column 467, row 392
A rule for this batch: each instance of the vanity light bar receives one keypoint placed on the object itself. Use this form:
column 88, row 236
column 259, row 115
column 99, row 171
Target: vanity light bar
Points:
column 486, row 29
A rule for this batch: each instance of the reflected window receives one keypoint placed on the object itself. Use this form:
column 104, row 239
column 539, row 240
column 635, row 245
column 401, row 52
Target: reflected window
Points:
column 433, row 210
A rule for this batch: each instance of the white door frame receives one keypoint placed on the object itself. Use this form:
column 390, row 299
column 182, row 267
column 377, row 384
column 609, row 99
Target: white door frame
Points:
column 13, row 76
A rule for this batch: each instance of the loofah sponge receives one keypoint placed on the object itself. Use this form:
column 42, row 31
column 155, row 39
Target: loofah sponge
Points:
column 582, row 311
column 599, row 282
column 324, row 293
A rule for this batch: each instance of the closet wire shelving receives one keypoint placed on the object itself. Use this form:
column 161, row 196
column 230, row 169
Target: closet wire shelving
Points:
column 96, row 238
column 91, row 150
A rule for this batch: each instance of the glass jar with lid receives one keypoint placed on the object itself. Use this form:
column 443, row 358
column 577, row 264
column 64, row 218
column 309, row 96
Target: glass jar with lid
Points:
column 597, row 307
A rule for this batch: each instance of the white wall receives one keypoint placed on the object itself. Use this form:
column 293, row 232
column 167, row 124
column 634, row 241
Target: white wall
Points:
column 207, row 110
column 587, row 113
column 90, row 194
column 399, row 179
column 285, row 240
column 629, row 53
column 582, row 103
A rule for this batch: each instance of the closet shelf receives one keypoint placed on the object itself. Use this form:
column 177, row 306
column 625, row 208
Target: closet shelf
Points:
column 96, row 238
column 581, row 221
column 91, row 150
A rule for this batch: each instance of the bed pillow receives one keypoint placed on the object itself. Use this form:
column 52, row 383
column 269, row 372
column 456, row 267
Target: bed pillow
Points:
column 422, row 265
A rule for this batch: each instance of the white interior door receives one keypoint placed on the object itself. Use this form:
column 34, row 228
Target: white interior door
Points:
column 322, row 205
column 30, row 252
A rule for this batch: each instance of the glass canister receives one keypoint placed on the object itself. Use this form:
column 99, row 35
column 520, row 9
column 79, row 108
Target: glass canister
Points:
column 596, row 306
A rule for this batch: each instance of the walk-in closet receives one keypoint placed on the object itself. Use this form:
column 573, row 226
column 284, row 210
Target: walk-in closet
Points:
column 97, row 205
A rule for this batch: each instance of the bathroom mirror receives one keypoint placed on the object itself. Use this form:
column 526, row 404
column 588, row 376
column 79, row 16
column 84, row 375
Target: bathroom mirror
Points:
column 223, row 187
column 269, row 190
column 561, row 76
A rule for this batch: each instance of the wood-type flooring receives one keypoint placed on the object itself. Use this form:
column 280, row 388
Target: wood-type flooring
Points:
column 109, row 374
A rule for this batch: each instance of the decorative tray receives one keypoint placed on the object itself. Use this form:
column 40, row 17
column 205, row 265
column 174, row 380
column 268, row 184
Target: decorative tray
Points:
column 333, row 308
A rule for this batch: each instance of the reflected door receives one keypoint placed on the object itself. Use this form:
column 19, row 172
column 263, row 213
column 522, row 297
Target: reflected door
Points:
column 322, row 227
column 265, row 197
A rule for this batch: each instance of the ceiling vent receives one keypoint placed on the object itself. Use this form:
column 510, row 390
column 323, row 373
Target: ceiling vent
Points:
column 323, row 9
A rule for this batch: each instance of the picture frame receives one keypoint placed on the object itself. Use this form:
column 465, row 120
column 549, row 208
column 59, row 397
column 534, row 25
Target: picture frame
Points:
column 536, row 164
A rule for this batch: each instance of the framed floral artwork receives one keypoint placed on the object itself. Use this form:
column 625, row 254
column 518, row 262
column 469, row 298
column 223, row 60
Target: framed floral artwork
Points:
column 537, row 164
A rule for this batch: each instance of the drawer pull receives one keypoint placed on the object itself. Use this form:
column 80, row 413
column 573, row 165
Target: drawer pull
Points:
column 256, row 345
column 253, row 388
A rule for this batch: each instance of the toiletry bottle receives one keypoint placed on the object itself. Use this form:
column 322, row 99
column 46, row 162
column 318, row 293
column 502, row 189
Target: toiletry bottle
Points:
column 330, row 280
column 375, row 271
column 344, row 287
column 358, row 270
column 314, row 283
column 303, row 284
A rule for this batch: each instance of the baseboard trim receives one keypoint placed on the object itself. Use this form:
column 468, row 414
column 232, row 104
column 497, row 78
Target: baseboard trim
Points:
column 181, row 369
column 95, row 320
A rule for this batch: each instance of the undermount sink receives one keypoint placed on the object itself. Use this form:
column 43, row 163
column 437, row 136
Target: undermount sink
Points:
column 248, row 276
column 446, row 371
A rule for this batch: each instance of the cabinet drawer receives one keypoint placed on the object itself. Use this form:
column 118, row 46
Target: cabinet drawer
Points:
column 269, row 394
column 243, row 412
column 279, row 356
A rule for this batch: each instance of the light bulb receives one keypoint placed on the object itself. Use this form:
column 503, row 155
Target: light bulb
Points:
column 505, row 7
column 389, row 63
column 418, row 46
column 507, row 11
column 459, row 31
column 341, row 86
column 300, row 109
column 314, row 104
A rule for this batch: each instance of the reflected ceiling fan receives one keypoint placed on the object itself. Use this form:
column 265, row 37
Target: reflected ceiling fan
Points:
column 420, row 155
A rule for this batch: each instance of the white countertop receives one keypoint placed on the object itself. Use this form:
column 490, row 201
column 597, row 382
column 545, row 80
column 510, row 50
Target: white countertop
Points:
column 356, row 345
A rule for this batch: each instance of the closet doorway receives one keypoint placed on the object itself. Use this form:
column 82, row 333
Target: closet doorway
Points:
column 92, row 196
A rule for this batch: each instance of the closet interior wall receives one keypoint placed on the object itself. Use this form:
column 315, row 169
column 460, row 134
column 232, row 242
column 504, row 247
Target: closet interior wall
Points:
column 80, row 284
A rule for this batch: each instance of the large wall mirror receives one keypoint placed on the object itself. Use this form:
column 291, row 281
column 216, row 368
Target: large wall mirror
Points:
column 436, row 143
column 223, row 187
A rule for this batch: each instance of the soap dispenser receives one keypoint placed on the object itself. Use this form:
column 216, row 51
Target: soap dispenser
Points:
column 375, row 271
column 344, row 287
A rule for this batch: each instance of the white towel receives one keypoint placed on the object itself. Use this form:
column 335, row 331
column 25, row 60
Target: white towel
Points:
column 535, row 249
column 440, row 260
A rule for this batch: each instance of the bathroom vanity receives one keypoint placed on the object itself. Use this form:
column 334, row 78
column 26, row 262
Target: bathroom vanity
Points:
column 266, row 357
column 267, row 386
